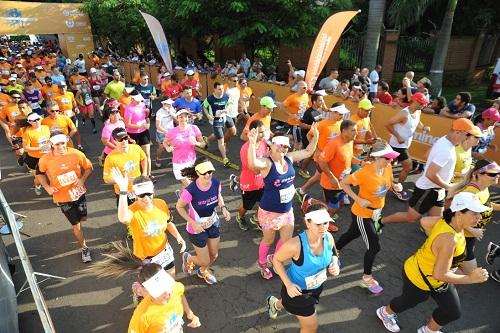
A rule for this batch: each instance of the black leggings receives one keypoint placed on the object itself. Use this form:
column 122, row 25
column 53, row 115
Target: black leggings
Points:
column 449, row 308
column 366, row 228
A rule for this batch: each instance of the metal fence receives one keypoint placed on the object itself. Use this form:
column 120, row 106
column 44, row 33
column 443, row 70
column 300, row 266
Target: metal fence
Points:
column 414, row 54
column 351, row 52
column 487, row 53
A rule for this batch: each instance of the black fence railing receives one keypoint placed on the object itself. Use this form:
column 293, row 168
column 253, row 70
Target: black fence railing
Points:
column 414, row 54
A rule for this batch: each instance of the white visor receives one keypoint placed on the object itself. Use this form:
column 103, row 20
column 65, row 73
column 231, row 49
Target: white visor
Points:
column 168, row 101
column 319, row 216
column 386, row 152
column 281, row 140
column 59, row 138
column 142, row 188
column 138, row 98
column 129, row 89
column 321, row 92
column 340, row 109
column 159, row 284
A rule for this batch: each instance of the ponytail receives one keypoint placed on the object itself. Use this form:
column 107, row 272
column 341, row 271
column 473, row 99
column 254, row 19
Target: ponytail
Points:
column 116, row 264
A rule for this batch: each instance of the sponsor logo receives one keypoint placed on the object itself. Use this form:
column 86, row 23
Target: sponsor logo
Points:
column 425, row 138
column 14, row 17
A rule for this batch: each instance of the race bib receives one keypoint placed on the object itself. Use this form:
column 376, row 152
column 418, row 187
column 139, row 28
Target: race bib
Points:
column 165, row 257
column 88, row 100
column 35, row 105
column 65, row 101
column 377, row 214
column 316, row 280
column 173, row 324
column 286, row 194
column 207, row 222
column 96, row 87
column 67, row 178
column 77, row 192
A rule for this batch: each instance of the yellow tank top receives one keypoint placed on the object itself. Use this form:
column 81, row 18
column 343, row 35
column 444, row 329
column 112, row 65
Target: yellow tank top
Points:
column 484, row 198
column 426, row 259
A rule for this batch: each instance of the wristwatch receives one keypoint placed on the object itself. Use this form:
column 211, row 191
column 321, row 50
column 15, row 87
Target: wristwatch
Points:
column 123, row 193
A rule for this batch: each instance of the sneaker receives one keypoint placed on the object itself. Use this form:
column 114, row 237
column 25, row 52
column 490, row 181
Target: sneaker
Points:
column 80, row 148
column 306, row 202
column 389, row 321
column 346, row 200
column 158, row 163
column 265, row 272
column 20, row 161
column 178, row 194
column 94, row 130
column 233, row 182
column 300, row 194
column 272, row 311
column 493, row 252
column 86, row 255
column 495, row 276
column 269, row 260
column 38, row 189
column 209, row 278
column 255, row 223
column 403, row 195
column 332, row 227
column 372, row 285
column 226, row 162
column 242, row 223
column 304, row 174
column 424, row 329
column 187, row 267
column 101, row 161
column 205, row 139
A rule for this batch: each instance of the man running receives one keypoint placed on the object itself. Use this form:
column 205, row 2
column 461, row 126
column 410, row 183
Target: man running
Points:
column 364, row 136
column 294, row 106
column 264, row 114
column 115, row 88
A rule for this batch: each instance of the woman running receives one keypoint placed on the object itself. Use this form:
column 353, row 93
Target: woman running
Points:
column 373, row 180
column 181, row 141
column 163, row 302
column 275, row 209
column 147, row 219
column 198, row 205
column 164, row 122
column 96, row 86
column 431, row 270
column 112, row 120
column 313, row 254
column 86, row 103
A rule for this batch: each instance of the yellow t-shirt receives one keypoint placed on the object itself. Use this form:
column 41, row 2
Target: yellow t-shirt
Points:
column 149, row 317
column 363, row 127
column 148, row 228
column 129, row 162
column 484, row 198
column 114, row 89
column 425, row 258
column 37, row 138
column 464, row 161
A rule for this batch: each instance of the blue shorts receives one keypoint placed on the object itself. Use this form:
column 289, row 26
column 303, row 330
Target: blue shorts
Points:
column 200, row 240
column 334, row 197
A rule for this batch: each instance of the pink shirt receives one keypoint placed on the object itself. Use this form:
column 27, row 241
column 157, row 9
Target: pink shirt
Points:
column 183, row 148
column 250, row 181
column 137, row 115
column 107, row 130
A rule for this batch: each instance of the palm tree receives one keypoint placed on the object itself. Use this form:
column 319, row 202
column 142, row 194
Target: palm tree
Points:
column 376, row 13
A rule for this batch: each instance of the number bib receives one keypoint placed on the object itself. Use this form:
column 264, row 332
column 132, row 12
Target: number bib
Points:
column 77, row 192
column 67, row 178
column 96, row 87
column 35, row 105
column 207, row 222
column 286, row 194
column 165, row 257
column 316, row 280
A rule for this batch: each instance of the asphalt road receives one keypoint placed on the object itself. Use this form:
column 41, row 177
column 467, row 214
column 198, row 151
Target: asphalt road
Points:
column 81, row 303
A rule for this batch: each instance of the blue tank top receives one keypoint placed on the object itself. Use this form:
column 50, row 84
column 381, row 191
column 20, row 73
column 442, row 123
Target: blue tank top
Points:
column 312, row 272
column 33, row 97
column 204, row 202
column 278, row 189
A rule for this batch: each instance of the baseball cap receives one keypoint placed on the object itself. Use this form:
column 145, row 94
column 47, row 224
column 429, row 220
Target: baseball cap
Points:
column 119, row 133
column 33, row 116
column 319, row 216
column 159, row 284
column 340, row 109
column 68, row 61
column 168, row 101
column 141, row 188
column 301, row 73
column 190, row 72
column 280, row 140
column 58, row 138
column 137, row 98
column 463, row 124
column 61, row 84
column 181, row 111
column 19, row 65
column 491, row 113
column 420, row 98
column 11, row 78
column 467, row 200
column 93, row 70
column 387, row 152
column 204, row 167
column 166, row 74
column 268, row 102
column 365, row 104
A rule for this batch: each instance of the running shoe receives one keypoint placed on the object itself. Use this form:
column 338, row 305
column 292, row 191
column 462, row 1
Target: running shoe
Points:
column 80, row 148
column 86, row 257
column 187, row 267
column 495, row 276
column 424, row 329
column 101, row 161
column 84, row 122
column 265, row 272
column 178, row 194
column 403, row 195
column 332, row 227
column 158, row 163
column 153, row 179
column 38, row 189
column 255, row 223
column 269, row 260
column 372, row 285
column 300, row 194
column 233, row 182
column 306, row 202
column 304, row 174
column 205, row 139
column 389, row 321
column 346, row 200
column 94, row 130
column 209, row 278
column 226, row 162
column 272, row 311
column 493, row 252
column 242, row 223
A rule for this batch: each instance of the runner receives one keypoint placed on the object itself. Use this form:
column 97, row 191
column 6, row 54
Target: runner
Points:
column 35, row 144
column 192, row 82
column 198, row 204
column 86, row 103
column 147, row 90
column 232, row 108
column 115, row 88
column 9, row 114
column 49, row 90
column 430, row 271
column 364, row 137
column 294, row 107
column 246, row 94
column 275, row 210
column 96, row 84
column 267, row 106
column 34, row 97
column 188, row 102
column 463, row 152
column 487, row 124
column 429, row 193
column 63, row 173
column 112, row 119
column 164, row 122
column 181, row 141
column 313, row 254
column 68, row 106
column 374, row 181
column 58, row 122
column 402, row 127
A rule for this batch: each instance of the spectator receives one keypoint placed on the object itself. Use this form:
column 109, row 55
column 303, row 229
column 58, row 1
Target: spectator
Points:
column 408, row 89
column 358, row 92
column 355, row 76
column 383, row 95
column 460, row 107
column 343, row 89
column 244, row 63
column 363, row 77
column 294, row 76
column 409, row 76
column 330, row 83
column 487, row 123
column 257, row 64
column 374, row 78
column 436, row 105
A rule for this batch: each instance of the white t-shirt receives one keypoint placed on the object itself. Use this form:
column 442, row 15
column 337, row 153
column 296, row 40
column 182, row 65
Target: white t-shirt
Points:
column 374, row 81
column 165, row 118
column 329, row 84
column 234, row 97
column 80, row 64
column 442, row 154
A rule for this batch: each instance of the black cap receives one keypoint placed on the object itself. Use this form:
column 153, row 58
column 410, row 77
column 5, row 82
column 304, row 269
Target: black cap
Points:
column 119, row 133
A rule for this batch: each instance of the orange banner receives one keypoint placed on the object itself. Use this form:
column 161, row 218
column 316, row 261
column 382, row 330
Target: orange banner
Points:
column 17, row 17
column 323, row 46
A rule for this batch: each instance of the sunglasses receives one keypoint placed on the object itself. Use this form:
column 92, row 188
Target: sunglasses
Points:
column 35, row 120
column 491, row 174
column 243, row 82
column 281, row 146
column 145, row 194
column 56, row 111
column 16, row 97
column 207, row 173
column 113, row 111
column 388, row 159
column 235, row 81
column 123, row 139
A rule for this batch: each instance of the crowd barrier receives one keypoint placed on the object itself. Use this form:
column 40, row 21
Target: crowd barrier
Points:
column 379, row 116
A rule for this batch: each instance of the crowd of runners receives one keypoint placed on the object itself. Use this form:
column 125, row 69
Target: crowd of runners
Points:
column 45, row 99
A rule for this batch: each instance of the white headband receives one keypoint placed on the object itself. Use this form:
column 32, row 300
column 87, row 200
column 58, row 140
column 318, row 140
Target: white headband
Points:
column 58, row 139
column 142, row 188
column 319, row 216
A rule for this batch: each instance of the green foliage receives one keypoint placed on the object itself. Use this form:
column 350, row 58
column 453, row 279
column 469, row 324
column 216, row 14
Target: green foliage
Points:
column 19, row 38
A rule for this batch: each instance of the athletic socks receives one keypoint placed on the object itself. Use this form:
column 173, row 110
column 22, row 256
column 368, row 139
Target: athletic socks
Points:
column 263, row 252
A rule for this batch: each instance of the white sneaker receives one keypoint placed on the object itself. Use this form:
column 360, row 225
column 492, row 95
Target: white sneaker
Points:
column 424, row 329
column 86, row 257
column 389, row 321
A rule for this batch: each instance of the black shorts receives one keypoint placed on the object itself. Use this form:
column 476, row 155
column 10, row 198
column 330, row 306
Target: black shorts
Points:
column 423, row 200
column 141, row 139
column 31, row 161
column 303, row 305
column 75, row 211
column 333, row 197
column 250, row 198
column 74, row 120
column 200, row 240
column 219, row 126
column 470, row 246
column 403, row 154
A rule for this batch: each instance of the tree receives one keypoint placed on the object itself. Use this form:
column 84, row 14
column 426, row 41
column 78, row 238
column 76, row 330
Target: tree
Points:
column 376, row 13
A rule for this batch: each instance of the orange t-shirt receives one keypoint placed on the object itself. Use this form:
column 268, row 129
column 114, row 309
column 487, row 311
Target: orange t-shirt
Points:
column 372, row 187
column 328, row 130
column 296, row 105
column 49, row 93
column 124, row 101
column 37, row 138
column 338, row 154
column 11, row 113
column 363, row 127
column 37, row 85
column 65, row 101
column 257, row 116
column 62, row 124
column 75, row 81
column 63, row 172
